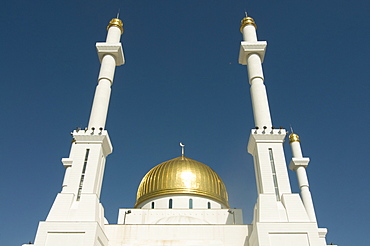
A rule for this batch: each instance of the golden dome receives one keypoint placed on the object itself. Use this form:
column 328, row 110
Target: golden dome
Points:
column 116, row 22
column 182, row 175
column 294, row 138
column 247, row 21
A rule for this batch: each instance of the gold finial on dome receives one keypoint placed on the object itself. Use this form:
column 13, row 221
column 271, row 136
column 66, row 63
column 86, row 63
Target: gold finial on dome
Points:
column 116, row 22
column 294, row 138
column 182, row 176
column 247, row 21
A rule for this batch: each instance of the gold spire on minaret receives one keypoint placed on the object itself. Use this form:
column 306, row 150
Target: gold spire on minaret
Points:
column 293, row 138
column 247, row 21
column 116, row 22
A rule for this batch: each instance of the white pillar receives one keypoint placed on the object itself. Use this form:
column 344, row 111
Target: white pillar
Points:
column 249, row 30
column 111, row 55
column 115, row 31
column 100, row 105
column 251, row 54
column 299, row 164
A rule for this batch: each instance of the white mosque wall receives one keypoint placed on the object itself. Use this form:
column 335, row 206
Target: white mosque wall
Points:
column 287, row 234
column 76, row 233
column 180, row 202
column 195, row 235
column 180, row 216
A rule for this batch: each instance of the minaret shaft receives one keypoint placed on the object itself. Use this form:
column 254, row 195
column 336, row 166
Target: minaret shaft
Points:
column 260, row 104
column 99, row 109
column 249, row 33
column 109, row 62
column 261, row 111
column 296, row 149
column 114, row 34
column 299, row 164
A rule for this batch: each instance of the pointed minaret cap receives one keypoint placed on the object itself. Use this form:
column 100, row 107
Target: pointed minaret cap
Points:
column 116, row 22
column 247, row 21
column 293, row 138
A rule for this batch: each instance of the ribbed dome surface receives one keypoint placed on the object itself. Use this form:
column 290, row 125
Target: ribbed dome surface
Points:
column 182, row 175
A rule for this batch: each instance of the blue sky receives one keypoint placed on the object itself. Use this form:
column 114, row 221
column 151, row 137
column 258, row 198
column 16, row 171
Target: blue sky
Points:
column 182, row 82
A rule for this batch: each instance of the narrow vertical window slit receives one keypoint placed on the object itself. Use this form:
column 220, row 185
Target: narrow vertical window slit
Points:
column 274, row 178
column 83, row 174
column 170, row 203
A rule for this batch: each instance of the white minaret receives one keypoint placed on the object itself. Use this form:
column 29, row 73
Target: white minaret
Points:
column 265, row 143
column 77, row 216
column 110, row 55
column 252, row 53
column 299, row 164
column 280, row 217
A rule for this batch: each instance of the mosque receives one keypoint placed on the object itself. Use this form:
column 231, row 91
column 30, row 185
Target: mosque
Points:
column 182, row 201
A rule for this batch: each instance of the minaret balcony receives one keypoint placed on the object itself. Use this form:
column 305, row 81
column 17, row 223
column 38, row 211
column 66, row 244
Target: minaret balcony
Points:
column 247, row 48
column 111, row 49
column 265, row 136
column 298, row 162
column 93, row 137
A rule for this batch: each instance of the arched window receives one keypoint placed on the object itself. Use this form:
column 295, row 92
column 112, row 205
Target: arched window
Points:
column 191, row 203
column 209, row 205
column 152, row 205
column 170, row 203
